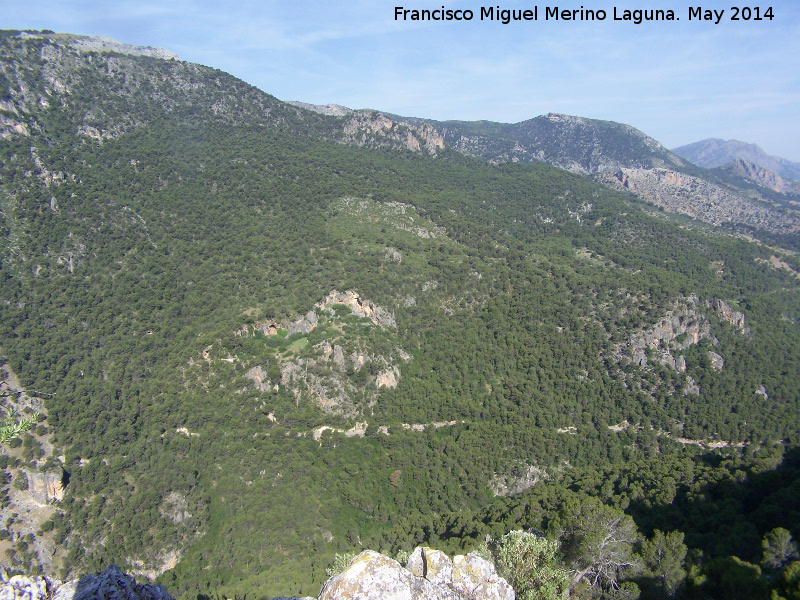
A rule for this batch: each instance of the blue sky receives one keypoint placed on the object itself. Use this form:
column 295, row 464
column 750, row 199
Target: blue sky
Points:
column 678, row 81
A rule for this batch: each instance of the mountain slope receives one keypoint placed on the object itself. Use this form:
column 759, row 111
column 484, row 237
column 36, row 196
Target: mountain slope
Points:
column 261, row 335
column 577, row 144
column 623, row 158
column 713, row 152
column 760, row 176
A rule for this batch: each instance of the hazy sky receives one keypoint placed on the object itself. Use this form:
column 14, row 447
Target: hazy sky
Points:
column 679, row 81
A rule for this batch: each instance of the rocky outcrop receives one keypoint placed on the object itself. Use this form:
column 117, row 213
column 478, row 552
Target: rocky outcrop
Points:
column 698, row 198
column 729, row 316
column 334, row 110
column 111, row 584
column 104, row 44
column 520, row 479
column 430, row 575
column 761, row 176
column 370, row 128
column 394, row 214
column 259, row 378
column 46, row 487
column 359, row 307
column 304, row 325
column 393, row 254
column 388, row 378
column 716, row 361
column 683, row 326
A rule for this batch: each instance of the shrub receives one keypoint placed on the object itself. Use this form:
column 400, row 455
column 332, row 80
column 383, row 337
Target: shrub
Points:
column 21, row 481
column 530, row 563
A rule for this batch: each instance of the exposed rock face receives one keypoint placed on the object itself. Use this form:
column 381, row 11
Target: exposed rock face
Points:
column 338, row 357
column 716, row 361
column 693, row 196
column 367, row 127
column 726, row 314
column 174, row 508
column 325, row 372
column 681, row 328
column 336, row 110
column 394, row 214
column 304, row 325
column 388, row 378
column 393, row 254
column 45, row 487
column 691, row 387
column 104, row 44
column 19, row 586
column 521, row 479
column 476, row 578
column 761, row 176
column 430, row 575
column 111, row 584
column 433, row 565
column 359, row 307
column 259, row 377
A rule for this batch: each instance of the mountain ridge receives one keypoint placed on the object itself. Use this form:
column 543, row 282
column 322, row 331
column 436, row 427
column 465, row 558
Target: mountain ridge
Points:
column 621, row 157
column 714, row 152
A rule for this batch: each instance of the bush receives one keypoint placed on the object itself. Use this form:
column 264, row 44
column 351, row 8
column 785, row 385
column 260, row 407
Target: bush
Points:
column 340, row 563
column 530, row 563
column 21, row 481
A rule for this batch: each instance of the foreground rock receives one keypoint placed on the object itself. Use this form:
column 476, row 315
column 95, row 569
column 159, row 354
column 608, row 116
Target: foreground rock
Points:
column 430, row 575
column 111, row 584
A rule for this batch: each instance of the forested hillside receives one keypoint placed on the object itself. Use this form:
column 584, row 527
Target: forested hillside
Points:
column 258, row 336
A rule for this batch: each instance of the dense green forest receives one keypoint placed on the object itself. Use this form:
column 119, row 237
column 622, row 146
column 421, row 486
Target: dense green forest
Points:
column 141, row 272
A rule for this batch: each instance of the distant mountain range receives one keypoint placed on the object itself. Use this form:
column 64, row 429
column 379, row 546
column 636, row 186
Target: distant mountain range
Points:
column 617, row 155
column 713, row 152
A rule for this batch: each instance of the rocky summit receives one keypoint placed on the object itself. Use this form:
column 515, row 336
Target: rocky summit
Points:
column 429, row 574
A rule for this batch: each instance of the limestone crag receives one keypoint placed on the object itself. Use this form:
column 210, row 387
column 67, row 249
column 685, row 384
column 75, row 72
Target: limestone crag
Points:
column 25, row 510
column 698, row 198
column 104, row 44
column 730, row 316
column 335, row 110
column 259, row 378
column 761, row 176
column 520, row 479
column 430, row 574
column 46, row 487
column 359, row 307
column 683, row 326
column 304, row 325
column 368, row 128
column 111, row 584
column 716, row 360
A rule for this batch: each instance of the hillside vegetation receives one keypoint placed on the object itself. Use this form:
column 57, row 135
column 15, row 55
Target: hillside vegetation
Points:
column 262, row 336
